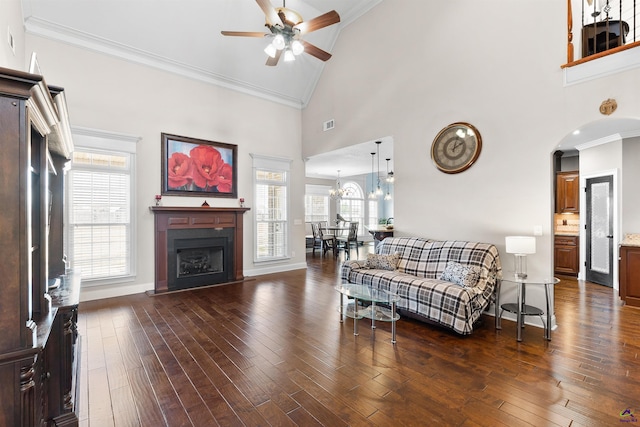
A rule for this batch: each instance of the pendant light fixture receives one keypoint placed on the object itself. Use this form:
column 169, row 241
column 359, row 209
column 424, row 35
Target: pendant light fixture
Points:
column 390, row 176
column 389, row 181
column 378, row 189
column 372, row 193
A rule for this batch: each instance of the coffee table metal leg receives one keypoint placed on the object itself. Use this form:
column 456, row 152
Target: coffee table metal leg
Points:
column 519, row 323
column 393, row 322
column 373, row 315
column 341, row 307
column 355, row 316
column 547, row 328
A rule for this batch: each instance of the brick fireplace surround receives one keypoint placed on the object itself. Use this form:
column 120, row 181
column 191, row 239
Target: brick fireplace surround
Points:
column 194, row 218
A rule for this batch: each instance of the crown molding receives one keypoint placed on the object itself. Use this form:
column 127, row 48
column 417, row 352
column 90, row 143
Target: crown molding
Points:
column 607, row 139
column 59, row 33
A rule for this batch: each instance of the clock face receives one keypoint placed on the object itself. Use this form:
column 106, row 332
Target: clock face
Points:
column 456, row 147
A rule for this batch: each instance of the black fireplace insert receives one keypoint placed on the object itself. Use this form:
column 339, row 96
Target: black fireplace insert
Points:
column 199, row 257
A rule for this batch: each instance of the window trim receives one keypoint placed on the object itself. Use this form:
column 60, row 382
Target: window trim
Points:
column 273, row 164
column 94, row 140
column 360, row 199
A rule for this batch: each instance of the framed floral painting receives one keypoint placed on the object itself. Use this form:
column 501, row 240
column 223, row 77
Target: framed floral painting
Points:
column 195, row 167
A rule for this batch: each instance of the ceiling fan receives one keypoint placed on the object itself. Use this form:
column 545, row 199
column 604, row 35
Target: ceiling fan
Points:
column 287, row 28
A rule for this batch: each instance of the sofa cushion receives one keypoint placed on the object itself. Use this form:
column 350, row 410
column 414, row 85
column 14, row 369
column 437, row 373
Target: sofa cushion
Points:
column 382, row 262
column 463, row 275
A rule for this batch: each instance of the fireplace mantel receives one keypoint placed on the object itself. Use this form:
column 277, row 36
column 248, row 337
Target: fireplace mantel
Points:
column 168, row 218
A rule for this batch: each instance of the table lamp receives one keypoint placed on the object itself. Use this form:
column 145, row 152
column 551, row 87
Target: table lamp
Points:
column 520, row 246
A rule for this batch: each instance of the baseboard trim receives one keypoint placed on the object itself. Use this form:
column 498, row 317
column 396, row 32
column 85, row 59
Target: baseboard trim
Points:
column 274, row 268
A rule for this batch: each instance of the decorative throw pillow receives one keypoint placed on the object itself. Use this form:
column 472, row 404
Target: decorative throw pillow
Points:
column 382, row 262
column 463, row 275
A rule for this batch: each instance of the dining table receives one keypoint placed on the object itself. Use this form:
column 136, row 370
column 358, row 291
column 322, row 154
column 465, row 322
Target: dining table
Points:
column 336, row 230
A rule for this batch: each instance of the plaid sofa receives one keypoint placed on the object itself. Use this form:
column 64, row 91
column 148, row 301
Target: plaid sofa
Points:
column 417, row 282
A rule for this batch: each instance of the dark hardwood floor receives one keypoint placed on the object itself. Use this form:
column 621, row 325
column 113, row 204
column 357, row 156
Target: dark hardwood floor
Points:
column 271, row 351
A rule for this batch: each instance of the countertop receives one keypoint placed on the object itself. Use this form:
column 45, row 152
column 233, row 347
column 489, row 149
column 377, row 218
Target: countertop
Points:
column 379, row 229
column 631, row 240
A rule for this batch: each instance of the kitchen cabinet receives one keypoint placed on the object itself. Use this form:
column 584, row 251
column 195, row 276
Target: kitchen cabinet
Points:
column 568, row 192
column 566, row 252
column 630, row 275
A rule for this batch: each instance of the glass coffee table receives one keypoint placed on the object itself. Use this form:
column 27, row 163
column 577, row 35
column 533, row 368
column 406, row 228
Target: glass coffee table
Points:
column 362, row 293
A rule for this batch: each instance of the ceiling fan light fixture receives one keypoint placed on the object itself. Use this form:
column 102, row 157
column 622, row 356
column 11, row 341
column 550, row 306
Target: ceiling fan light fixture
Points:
column 278, row 42
column 297, row 47
column 270, row 50
column 289, row 56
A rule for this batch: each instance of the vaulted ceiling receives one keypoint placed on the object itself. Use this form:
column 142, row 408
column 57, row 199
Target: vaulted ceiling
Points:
column 183, row 36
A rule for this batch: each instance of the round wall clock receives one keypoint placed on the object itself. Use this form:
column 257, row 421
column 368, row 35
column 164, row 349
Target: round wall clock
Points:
column 456, row 147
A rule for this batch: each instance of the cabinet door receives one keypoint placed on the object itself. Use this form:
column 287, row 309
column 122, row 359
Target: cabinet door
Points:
column 566, row 255
column 568, row 192
column 630, row 275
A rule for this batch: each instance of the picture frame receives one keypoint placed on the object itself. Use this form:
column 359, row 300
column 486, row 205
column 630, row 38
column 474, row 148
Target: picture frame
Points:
column 197, row 167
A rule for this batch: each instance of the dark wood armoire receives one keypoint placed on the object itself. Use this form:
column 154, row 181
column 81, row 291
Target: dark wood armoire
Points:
column 38, row 296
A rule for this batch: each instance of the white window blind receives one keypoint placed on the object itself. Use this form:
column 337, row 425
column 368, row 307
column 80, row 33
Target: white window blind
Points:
column 316, row 208
column 271, row 180
column 100, row 229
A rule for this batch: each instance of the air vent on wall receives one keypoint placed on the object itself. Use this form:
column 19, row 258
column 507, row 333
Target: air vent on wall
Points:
column 328, row 125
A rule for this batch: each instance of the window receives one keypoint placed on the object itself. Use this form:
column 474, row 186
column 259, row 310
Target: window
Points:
column 351, row 207
column 316, row 203
column 100, row 214
column 271, row 180
column 373, row 213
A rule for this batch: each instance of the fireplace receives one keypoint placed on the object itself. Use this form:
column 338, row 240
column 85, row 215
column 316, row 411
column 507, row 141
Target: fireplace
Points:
column 197, row 246
column 198, row 257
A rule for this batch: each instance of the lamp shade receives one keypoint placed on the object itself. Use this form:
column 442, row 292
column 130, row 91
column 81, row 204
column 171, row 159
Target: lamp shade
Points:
column 520, row 244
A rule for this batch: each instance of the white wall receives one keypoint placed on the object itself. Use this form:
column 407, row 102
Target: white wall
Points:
column 630, row 182
column 11, row 20
column 440, row 66
column 109, row 94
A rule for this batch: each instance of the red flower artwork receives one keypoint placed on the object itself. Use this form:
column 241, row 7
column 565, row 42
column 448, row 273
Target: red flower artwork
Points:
column 207, row 161
column 225, row 178
column 179, row 170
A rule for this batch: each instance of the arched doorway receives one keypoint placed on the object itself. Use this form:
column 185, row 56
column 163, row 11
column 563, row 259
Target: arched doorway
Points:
column 603, row 148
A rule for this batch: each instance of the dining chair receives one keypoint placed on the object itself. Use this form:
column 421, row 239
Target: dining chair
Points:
column 328, row 241
column 349, row 239
column 317, row 241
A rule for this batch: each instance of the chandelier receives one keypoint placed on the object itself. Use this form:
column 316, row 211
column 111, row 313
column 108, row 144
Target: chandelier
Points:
column 339, row 192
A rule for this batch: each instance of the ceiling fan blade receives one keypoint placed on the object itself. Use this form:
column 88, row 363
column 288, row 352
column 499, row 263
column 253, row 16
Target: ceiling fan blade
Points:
column 318, row 22
column 244, row 33
column 270, row 12
column 272, row 62
column 316, row 51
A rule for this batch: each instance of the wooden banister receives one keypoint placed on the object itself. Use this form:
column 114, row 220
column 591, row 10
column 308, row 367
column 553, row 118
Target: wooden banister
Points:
column 569, row 33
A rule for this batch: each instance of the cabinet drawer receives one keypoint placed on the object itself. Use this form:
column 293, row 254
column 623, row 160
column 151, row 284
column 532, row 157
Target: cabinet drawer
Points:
column 566, row 240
